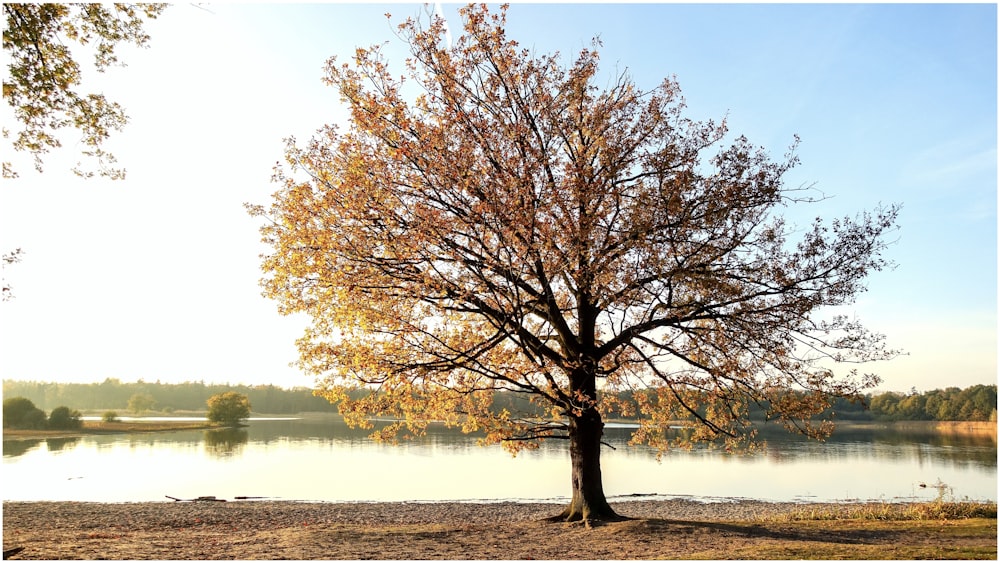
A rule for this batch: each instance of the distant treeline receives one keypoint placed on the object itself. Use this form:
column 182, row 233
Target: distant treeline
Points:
column 112, row 394
column 976, row 403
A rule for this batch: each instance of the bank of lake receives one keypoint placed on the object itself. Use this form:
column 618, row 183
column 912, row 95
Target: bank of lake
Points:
column 90, row 427
column 188, row 421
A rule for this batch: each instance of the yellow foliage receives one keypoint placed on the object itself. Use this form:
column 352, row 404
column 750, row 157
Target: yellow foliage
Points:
column 43, row 81
column 515, row 227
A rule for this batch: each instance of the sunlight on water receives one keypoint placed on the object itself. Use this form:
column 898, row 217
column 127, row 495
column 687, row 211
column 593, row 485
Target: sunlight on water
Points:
column 319, row 459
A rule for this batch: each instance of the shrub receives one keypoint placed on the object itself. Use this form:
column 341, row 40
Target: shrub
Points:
column 109, row 416
column 62, row 418
column 228, row 408
column 19, row 412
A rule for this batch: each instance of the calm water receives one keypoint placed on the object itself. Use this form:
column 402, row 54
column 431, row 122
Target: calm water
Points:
column 318, row 458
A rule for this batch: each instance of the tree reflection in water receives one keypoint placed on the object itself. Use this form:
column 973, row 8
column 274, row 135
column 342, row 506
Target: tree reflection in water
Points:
column 58, row 444
column 14, row 448
column 861, row 462
column 226, row 442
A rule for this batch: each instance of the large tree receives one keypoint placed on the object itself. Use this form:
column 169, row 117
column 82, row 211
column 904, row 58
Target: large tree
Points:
column 43, row 78
column 495, row 220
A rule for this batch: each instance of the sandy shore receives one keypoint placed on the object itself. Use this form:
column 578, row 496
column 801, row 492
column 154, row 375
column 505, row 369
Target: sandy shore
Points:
column 294, row 530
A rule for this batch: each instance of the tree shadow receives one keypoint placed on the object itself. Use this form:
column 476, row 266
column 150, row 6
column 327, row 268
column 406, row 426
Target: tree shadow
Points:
column 786, row 531
column 832, row 533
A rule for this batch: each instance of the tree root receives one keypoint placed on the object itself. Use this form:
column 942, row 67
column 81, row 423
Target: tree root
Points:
column 587, row 518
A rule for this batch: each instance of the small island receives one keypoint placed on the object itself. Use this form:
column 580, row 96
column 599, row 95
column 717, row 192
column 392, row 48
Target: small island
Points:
column 23, row 420
column 114, row 427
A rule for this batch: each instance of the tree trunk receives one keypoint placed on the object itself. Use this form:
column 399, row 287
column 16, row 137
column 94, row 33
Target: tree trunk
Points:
column 589, row 502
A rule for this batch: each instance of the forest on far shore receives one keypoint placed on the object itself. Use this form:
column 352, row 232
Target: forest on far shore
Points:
column 976, row 403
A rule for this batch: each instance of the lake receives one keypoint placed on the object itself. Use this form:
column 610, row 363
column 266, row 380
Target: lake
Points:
column 317, row 458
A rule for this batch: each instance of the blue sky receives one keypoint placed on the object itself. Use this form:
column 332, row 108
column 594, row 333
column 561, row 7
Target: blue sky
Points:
column 156, row 277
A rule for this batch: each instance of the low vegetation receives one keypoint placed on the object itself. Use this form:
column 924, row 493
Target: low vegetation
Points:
column 106, row 427
column 144, row 426
column 922, row 511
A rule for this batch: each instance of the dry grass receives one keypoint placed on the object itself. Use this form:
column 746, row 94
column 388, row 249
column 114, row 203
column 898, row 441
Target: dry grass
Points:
column 152, row 426
column 102, row 427
column 938, row 510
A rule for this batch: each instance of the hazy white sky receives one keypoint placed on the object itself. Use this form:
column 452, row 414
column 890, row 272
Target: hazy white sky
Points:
column 155, row 277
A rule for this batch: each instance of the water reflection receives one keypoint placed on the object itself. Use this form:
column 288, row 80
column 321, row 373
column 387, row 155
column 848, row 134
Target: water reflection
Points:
column 59, row 444
column 333, row 462
column 14, row 448
column 226, row 442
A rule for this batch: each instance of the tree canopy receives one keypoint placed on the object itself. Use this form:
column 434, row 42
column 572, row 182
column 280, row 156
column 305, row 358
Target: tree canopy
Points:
column 44, row 77
column 228, row 408
column 64, row 418
column 497, row 220
column 139, row 403
column 20, row 412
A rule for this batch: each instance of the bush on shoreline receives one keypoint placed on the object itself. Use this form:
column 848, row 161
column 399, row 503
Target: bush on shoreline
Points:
column 62, row 418
column 20, row 413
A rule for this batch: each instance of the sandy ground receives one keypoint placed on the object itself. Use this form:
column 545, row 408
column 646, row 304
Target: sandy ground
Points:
column 292, row 530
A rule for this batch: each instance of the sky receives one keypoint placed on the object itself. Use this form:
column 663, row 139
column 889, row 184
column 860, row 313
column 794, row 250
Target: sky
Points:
column 156, row 277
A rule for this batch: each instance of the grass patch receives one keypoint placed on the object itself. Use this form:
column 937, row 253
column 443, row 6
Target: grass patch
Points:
column 938, row 510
